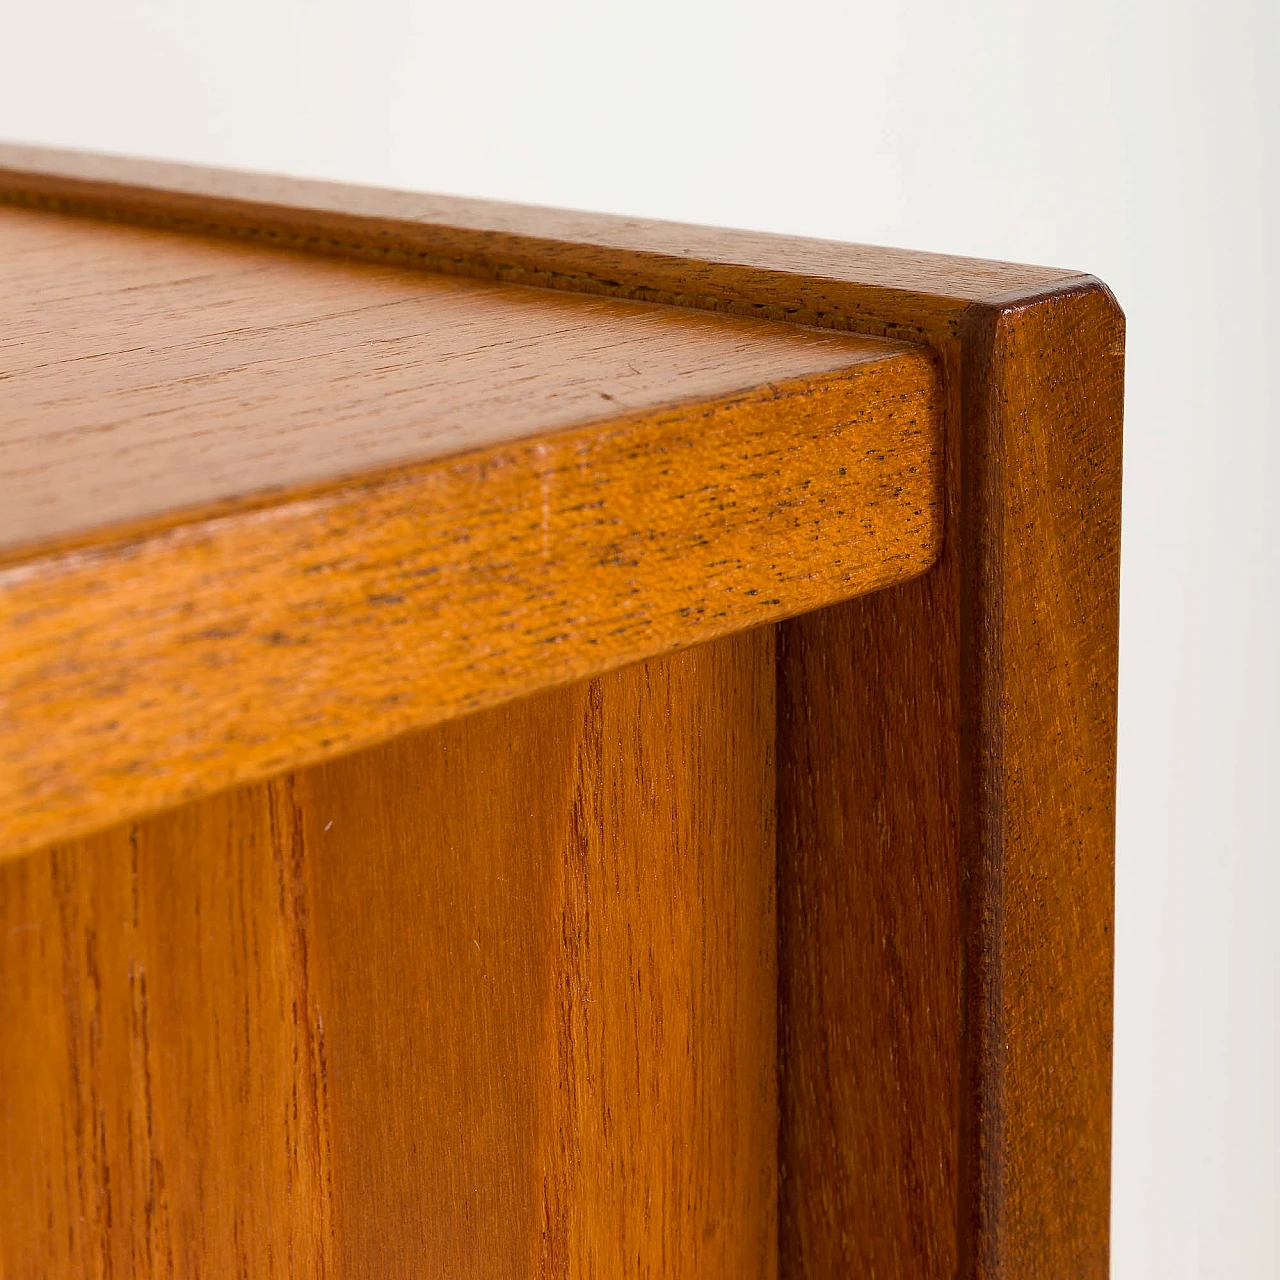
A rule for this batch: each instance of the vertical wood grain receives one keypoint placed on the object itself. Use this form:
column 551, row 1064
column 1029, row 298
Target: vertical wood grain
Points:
column 1043, row 390
column 947, row 802
column 496, row 999
column 581, row 902
column 163, row 1109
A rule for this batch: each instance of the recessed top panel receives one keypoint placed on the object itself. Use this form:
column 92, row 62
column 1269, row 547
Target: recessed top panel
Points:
column 145, row 372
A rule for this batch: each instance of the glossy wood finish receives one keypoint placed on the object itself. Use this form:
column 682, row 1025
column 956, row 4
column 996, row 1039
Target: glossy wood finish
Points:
column 945, row 746
column 496, row 999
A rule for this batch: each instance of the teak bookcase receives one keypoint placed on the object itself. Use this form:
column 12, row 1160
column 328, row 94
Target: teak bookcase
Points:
column 543, row 745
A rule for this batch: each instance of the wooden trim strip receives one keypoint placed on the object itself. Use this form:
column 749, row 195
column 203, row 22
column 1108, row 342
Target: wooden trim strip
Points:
column 869, row 289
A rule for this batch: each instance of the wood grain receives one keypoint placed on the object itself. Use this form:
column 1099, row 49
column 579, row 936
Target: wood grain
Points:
column 946, row 771
column 946, row 747
column 146, row 374
column 865, row 288
column 234, row 647
column 163, row 1112
column 496, row 999
column 869, row 938
column 1043, row 389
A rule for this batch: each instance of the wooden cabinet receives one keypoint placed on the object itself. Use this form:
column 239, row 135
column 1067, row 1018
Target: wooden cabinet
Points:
column 536, row 744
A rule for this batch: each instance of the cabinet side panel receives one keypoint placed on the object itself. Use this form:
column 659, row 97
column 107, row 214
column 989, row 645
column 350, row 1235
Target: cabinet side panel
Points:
column 868, row 903
column 947, row 802
column 1043, row 394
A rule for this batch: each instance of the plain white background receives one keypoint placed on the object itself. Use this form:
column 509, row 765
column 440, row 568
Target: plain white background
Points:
column 1137, row 141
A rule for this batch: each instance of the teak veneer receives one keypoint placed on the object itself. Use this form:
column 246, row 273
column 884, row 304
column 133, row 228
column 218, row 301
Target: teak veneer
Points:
column 534, row 743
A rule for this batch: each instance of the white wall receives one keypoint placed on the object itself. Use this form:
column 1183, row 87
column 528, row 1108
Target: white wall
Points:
column 1138, row 141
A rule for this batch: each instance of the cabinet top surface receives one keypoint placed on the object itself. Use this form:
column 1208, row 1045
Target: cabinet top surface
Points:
column 147, row 372
column 289, row 468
